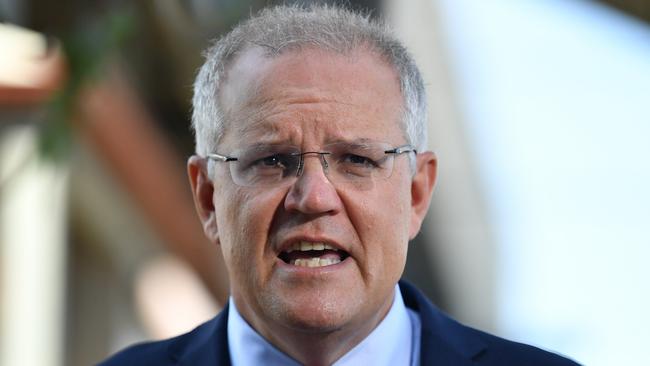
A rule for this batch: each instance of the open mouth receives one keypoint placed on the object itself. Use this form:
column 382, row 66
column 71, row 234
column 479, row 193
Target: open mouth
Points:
column 313, row 254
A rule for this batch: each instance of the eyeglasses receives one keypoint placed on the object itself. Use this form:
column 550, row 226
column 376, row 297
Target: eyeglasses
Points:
column 356, row 164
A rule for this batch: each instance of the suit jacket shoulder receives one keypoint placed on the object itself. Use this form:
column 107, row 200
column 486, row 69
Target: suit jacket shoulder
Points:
column 444, row 341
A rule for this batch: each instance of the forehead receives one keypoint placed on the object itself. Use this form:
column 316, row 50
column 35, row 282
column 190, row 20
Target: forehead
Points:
column 312, row 94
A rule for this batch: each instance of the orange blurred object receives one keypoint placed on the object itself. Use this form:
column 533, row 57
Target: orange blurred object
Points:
column 30, row 68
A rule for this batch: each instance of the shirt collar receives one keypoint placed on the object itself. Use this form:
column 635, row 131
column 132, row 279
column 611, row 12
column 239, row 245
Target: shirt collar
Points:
column 390, row 343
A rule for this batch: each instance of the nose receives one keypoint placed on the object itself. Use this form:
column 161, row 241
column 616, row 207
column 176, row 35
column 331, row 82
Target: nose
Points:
column 312, row 192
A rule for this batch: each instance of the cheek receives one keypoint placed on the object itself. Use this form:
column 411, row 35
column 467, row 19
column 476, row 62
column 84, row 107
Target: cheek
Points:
column 389, row 210
column 243, row 223
column 381, row 219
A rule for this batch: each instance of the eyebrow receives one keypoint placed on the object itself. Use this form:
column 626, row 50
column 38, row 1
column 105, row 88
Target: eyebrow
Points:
column 356, row 142
column 264, row 145
column 361, row 142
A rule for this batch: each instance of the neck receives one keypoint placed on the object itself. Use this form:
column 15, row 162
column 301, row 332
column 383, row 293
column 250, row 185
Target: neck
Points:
column 316, row 347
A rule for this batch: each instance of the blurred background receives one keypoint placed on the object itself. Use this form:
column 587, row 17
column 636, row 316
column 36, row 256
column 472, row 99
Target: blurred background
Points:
column 539, row 230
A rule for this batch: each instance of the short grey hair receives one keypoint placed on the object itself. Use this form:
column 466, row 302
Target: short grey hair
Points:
column 283, row 28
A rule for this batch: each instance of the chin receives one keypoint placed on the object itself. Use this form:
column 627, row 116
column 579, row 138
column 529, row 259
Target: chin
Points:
column 314, row 313
column 316, row 322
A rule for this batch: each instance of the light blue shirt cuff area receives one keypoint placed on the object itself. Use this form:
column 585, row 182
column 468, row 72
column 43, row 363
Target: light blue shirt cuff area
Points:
column 395, row 341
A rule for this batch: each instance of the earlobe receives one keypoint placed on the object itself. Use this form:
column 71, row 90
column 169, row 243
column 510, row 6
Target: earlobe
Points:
column 203, row 193
column 421, row 189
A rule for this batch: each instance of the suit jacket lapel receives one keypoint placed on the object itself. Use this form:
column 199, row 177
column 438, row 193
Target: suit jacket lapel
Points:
column 208, row 347
column 444, row 341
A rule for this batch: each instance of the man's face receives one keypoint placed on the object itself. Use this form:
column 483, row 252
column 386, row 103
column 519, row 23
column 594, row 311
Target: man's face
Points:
column 307, row 99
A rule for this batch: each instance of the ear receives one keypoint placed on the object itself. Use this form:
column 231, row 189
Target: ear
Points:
column 203, row 192
column 421, row 189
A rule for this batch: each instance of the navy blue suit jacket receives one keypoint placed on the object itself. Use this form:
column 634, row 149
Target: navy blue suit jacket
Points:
column 444, row 342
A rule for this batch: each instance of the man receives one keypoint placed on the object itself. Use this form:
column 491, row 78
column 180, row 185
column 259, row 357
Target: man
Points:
column 311, row 174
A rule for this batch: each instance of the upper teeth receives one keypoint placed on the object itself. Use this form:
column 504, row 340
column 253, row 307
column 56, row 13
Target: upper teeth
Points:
column 306, row 245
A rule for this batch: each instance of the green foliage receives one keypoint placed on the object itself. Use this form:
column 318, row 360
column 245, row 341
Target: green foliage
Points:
column 87, row 50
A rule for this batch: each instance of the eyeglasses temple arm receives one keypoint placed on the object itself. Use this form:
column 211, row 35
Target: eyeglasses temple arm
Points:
column 220, row 157
column 401, row 150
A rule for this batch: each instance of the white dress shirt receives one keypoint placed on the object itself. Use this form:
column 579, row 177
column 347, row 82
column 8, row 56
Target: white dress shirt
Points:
column 395, row 341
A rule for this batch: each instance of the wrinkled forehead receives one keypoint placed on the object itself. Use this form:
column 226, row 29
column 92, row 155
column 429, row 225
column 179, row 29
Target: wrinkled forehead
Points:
column 323, row 89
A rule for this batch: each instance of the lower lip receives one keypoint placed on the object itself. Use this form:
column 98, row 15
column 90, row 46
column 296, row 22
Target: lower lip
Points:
column 300, row 270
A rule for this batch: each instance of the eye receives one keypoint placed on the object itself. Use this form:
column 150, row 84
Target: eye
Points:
column 272, row 161
column 358, row 160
